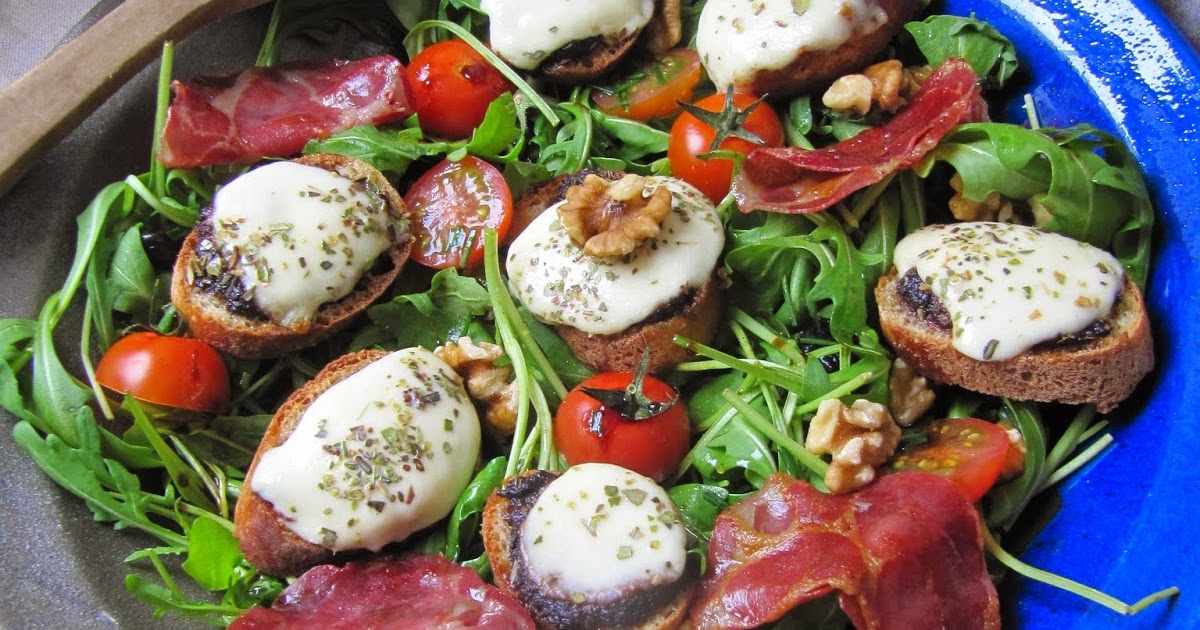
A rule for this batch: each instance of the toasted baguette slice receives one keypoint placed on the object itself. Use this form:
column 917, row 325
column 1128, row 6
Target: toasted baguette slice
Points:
column 587, row 59
column 497, row 539
column 696, row 320
column 209, row 318
column 1102, row 371
column 265, row 540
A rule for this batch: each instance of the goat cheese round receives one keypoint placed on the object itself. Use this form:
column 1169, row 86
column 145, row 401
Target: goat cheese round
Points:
column 298, row 236
column 599, row 529
column 738, row 38
column 560, row 284
column 524, row 32
column 376, row 457
column 1010, row 287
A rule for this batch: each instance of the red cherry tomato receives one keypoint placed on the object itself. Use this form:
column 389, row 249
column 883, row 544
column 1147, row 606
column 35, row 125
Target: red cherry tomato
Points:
column 653, row 90
column 968, row 451
column 451, row 205
column 171, row 371
column 691, row 137
column 586, row 430
column 452, row 88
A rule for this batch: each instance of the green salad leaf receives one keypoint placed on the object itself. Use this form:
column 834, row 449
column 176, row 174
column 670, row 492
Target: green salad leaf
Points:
column 991, row 54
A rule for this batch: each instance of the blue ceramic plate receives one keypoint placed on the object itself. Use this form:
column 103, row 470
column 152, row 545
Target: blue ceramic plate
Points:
column 1127, row 524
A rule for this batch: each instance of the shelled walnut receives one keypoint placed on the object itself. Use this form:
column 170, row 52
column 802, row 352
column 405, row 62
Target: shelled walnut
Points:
column 492, row 387
column 910, row 396
column 859, row 437
column 610, row 219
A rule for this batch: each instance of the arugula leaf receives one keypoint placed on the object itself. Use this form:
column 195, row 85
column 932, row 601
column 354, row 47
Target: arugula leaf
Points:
column 83, row 472
column 433, row 317
column 699, row 505
column 390, row 151
column 991, row 55
column 131, row 276
column 212, row 554
column 1082, row 182
column 468, row 510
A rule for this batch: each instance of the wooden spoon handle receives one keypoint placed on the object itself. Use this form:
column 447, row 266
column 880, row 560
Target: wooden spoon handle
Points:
column 40, row 108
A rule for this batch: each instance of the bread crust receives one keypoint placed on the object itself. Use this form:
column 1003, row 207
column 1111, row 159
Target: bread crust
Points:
column 815, row 69
column 210, row 320
column 586, row 60
column 497, row 536
column 1103, row 371
column 621, row 352
column 264, row 538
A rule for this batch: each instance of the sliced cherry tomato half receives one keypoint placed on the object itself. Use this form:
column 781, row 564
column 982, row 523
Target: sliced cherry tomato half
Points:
column 451, row 205
column 691, row 138
column 655, row 89
column 452, row 88
column 588, row 430
column 176, row 372
column 968, row 451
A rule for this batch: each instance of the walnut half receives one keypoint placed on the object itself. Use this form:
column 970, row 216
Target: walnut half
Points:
column 859, row 437
column 490, row 386
column 610, row 219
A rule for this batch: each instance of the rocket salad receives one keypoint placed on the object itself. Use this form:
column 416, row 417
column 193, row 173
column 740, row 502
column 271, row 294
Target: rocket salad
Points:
column 799, row 329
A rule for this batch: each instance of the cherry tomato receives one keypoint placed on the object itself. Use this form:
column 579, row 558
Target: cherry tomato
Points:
column 691, row 137
column 452, row 88
column 451, row 205
column 653, row 90
column 587, row 430
column 176, row 372
column 968, row 451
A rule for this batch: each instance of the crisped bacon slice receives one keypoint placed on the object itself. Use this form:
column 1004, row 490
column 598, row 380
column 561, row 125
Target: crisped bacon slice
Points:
column 261, row 112
column 411, row 593
column 793, row 180
column 906, row 553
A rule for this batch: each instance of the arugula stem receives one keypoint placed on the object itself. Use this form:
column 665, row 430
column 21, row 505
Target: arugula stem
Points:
column 158, row 172
column 763, row 332
column 173, row 214
column 754, row 419
column 841, row 390
column 85, row 342
column 722, row 418
column 1071, row 438
column 1071, row 586
column 1077, row 462
column 779, row 377
column 508, row 341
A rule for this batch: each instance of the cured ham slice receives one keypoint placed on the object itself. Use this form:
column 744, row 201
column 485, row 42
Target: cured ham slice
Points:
column 906, row 553
column 261, row 112
column 411, row 593
column 794, row 180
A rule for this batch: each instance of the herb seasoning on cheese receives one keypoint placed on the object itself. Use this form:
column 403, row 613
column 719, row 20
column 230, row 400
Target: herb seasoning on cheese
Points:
column 738, row 38
column 524, row 33
column 1010, row 287
column 296, row 236
column 560, row 284
column 376, row 457
column 598, row 529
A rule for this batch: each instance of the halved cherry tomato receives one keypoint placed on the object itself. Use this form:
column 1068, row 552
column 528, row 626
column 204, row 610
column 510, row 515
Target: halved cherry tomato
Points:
column 451, row 205
column 587, row 430
column 654, row 89
column 691, row 138
column 176, row 372
column 968, row 451
column 452, row 88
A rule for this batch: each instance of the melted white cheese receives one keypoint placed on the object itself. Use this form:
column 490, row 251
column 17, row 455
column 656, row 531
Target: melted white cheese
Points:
column 560, row 284
column 600, row 528
column 738, row 38
column 376, row 457
column 299, row 236
column 1009, row 287
column 524, row 32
